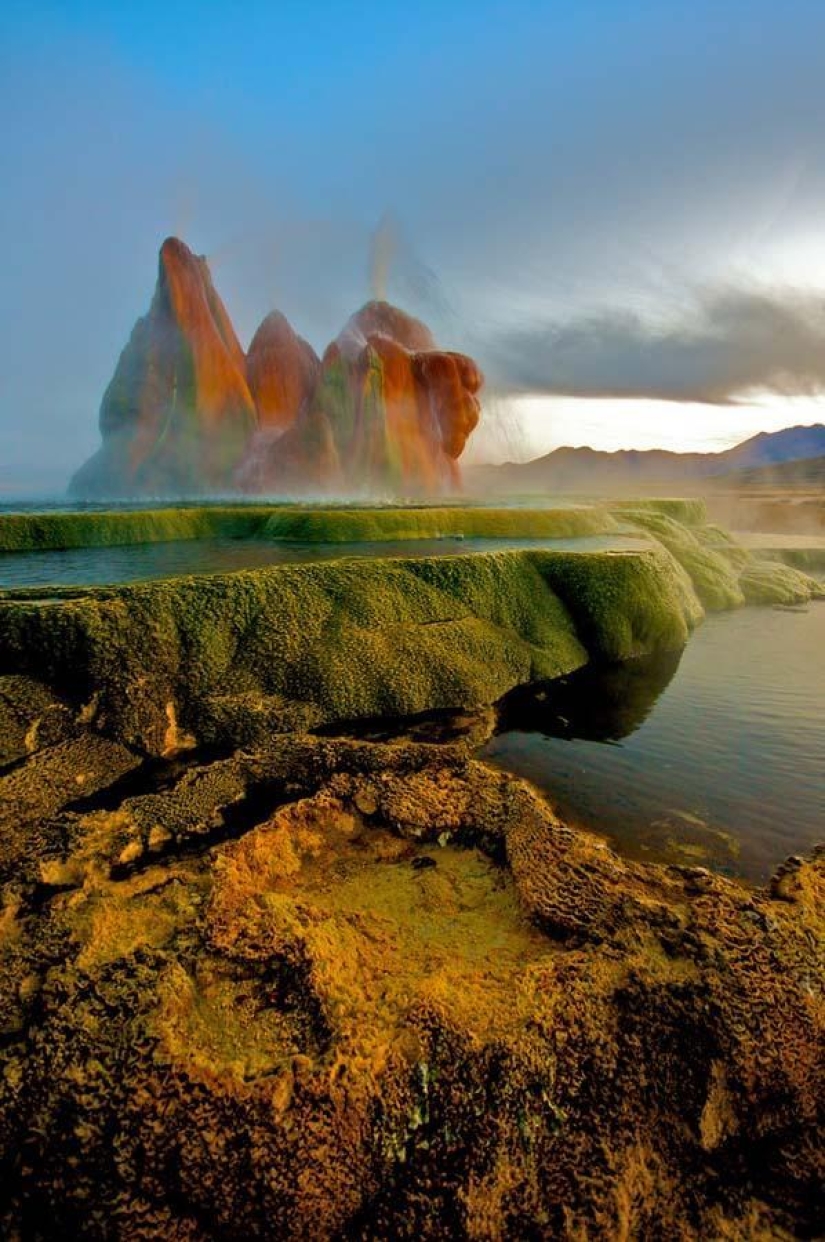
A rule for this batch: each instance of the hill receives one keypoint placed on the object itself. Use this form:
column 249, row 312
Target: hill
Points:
column 591, row 470
column 804, row 474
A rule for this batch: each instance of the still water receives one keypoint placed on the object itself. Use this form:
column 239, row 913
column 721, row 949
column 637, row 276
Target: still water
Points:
column 715, row 758
column 715, row 755
column 139, row 562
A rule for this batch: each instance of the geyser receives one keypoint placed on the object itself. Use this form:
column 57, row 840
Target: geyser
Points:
column 385, row 411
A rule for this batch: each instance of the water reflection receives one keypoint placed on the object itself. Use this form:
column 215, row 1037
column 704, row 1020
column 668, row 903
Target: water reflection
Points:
column 715, row 755
column 599, row 703
column 100, row 566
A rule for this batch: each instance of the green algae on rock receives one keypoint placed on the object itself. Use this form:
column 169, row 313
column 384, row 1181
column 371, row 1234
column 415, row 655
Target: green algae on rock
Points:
column 809, row 560
column 32, row 532
column 28, row 532
column 307, row 644
column 320, row 988
column 689, row 510
column 229, row 658
column 771, row 582
column 714, row 578
column 724, row 574
column 343, row 525
column 625, row 604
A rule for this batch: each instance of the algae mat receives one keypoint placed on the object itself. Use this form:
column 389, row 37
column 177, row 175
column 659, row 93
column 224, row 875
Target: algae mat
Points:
column 32, row 531
column 229, row 658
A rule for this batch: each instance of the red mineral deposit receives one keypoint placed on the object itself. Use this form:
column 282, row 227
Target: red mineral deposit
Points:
column 390, row 415
column 178, row 411
column 385, row 412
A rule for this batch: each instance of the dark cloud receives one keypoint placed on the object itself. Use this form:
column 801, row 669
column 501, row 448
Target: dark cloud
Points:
column 734, row 341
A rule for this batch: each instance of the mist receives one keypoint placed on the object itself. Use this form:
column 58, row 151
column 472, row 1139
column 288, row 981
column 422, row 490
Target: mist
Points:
column 535, row 170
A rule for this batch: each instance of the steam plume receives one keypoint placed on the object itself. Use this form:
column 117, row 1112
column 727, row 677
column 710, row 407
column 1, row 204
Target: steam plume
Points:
column 383, row 248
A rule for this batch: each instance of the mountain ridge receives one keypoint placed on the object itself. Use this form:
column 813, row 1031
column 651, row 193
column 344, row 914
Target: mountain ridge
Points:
column 578, row 468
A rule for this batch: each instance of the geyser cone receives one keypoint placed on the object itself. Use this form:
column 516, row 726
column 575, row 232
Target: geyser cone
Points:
column 391, row 413
column 178, row 411
column 282, row 369
column 385, row 413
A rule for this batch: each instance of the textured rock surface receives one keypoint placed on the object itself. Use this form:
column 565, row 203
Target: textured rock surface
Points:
column 231, row 658
column 235, row 656
column 258, row 983
column 391, row 412
column 30, row 531
column 723, row 572
column 335, row 989
column 282, row 369
column 178, row 411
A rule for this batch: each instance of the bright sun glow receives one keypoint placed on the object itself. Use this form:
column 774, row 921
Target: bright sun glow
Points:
column 526, row 427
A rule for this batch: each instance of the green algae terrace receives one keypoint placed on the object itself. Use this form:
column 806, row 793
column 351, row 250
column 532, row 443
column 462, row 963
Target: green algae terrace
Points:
column 31, row 531
column 227, row 658
column 297, row 646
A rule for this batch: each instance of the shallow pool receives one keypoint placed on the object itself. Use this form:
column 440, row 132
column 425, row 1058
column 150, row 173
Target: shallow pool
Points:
column 139, row 562
column 716, row 757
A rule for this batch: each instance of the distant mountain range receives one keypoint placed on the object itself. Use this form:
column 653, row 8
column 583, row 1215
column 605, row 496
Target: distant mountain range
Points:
column 777, row 457
column 806, row 472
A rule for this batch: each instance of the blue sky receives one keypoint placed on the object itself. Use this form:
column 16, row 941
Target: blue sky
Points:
column 544, row 163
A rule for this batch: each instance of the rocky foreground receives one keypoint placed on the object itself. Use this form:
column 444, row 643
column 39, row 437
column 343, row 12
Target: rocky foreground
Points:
column 329, row 988
column 259, row 979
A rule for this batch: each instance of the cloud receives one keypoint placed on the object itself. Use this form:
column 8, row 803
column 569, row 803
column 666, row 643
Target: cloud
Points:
column 734, row 341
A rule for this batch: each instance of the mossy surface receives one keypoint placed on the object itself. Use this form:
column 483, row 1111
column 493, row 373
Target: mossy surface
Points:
column 689, row 510
column 230, row 658
column 709, row 566
column 323, row 989
column 810, row 560
column 347, row 525
column 724, row 574
column 771, row 582
column 307, row 644
column 722, row 542
column 27, row 532
column 31, row 532
column 624, row 604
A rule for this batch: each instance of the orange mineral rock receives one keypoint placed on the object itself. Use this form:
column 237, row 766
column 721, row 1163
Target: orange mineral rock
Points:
column 391, row 414
column 178, row 412
column 386, row 412
column 282, row 370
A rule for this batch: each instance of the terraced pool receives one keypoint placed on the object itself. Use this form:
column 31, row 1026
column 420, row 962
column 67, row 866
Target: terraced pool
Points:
column 97, row 566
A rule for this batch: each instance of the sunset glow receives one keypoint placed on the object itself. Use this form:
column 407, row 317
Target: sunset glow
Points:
column 521, row 428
